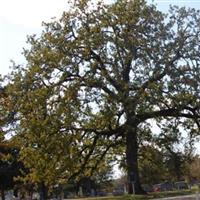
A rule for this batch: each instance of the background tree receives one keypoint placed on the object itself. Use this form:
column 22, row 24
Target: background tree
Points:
column 10, row 167
column 151, row 165
column 195, row 168
column 176, row 143
column 96, row 76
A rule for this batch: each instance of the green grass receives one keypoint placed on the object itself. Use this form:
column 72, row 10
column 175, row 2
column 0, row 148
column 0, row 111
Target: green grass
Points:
column 144, row 197
column 171, row 193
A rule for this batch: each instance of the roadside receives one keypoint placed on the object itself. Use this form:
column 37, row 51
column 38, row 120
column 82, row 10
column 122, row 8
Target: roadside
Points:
column 139, row 197
column 185, row 197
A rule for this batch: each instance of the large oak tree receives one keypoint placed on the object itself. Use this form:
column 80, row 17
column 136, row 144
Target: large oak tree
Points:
column 94, row 79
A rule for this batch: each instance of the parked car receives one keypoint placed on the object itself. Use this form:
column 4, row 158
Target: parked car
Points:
column 101, row 193
column 181, row 185
column 166, row 186
column 118, row 191
column 147, row 188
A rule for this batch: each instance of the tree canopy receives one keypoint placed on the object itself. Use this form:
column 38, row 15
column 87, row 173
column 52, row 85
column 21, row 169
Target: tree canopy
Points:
column 95, row 79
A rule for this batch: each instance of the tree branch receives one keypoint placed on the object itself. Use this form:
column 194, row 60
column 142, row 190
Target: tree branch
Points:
column 171, row 112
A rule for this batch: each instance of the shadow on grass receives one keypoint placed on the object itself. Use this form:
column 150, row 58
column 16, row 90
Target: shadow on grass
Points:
column 145, row 197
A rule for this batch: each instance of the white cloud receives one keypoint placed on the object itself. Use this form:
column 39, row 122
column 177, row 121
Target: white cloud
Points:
column 31, row 12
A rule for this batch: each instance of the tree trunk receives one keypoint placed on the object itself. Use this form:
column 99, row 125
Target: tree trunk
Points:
column 43, row 192
column 2, row 193
column 134, row 186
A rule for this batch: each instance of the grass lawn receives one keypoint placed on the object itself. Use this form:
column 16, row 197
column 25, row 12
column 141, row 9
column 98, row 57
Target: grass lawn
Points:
column 144, row 197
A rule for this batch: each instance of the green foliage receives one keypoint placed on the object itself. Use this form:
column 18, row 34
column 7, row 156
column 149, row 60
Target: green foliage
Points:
column 157, row 166
column 194, row 167
column 94, row 78
column 152, row 167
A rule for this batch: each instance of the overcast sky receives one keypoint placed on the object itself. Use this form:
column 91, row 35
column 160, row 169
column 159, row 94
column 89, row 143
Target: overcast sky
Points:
column 19, row 18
